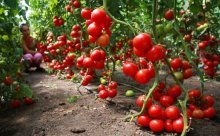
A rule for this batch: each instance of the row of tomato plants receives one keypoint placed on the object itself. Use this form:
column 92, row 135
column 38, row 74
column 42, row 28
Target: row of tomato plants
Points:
column 88, row 48
column 13, row 89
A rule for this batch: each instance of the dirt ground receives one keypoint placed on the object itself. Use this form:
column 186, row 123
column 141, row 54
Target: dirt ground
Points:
column 53, row 115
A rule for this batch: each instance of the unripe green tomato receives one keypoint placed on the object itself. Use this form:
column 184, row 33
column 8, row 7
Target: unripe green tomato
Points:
column 159, row 29
column 102, row 81
column 130, row 93
column 178, row 75
column 168, row 28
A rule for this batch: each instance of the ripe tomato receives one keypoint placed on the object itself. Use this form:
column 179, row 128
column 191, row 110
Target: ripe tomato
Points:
column 187, row 73
column 174, row 91
column 103, row 40
column 94, row 30
column 169, row 15
column 143, row 120
column 142, row 76
column 14, row 104
column 112, row 93
column 198, row 114
column 166, row 100
column 86, row 13
column 155, row 111
column 129, row 69
column 157, row 125
column 156, row 53
column 186, row 64
column 99, row 64
column 142, row 42
column 172, row 112
column 209, row 112
column 8, row 80
column 103, row 94
column 194, row 93
column 176, row 63
column 87, row 62
column 157, row 93
column 207, row 101
column 95, row 55
column 101, row 87
column 76, row 4
column 28, row 100
column 139, row 53
column 202, row 45
column 169, row 125
column 112, row 85
column 98, row 15
column 178, row 125
column 140, row 101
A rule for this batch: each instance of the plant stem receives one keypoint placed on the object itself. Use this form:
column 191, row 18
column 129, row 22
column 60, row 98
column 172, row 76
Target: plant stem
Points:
column 154, row 15
column 156, row 81
column 115, row 19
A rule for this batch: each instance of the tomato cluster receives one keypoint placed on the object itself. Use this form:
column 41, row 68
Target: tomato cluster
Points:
column 210, row 62
column 159, row 117
column 72, row 4
column 58, row 21
column 110, row 91
column 15, row 103
column 182, row 68
column 98, row 25
column 200, row 106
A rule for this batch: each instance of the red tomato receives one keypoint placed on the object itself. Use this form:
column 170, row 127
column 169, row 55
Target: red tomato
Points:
column 76, row 4
column 209, row 112
column 198, row 114
column 99, row 64
column 207, row 101
column 157, row 93
column 142, row 76
column 98, row 15
column 157, row 125
column 186, row 64
column 156, row 53
column 143, row 120
column 174, row 91
column 140, row 101
column 189, row 113
column 142, row 42
column 95, row 55
column 112, row 93
column 8, row 80
column 169, row 125
column 103, row 94
column 139, row 53
column 169, row 15
column 129, row 69
column 103, row 40
column 28, row 101
column 166, row 100
column 112, row 85
column 155, row 111
column 87, row 62
column 172, row 112
column 86, row 13
column 178, row 125
column 187, row 73
column 202, row 45
column 101, row 87
column 94, row 30
column 194, row 93
column 176, row 63
column 14, row 104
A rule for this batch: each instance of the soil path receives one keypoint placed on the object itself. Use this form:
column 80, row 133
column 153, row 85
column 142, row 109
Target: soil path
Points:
column 52, row 115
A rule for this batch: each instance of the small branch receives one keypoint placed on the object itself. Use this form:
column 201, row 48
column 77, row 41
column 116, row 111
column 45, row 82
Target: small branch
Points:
column 115, row 19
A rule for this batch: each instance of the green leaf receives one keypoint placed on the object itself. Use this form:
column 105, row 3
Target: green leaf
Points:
column 72, row 99
column 11, row 3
